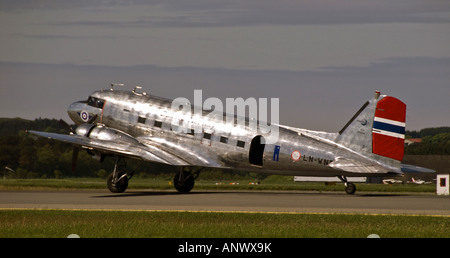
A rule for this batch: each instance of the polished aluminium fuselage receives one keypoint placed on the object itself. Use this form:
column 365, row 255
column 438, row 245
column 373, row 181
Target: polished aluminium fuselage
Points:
column 220, row 144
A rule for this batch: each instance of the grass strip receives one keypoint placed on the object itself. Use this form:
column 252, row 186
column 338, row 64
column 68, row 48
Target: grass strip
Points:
column 159, row 224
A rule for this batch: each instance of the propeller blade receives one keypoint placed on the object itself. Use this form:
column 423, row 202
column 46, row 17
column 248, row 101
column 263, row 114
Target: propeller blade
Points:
column 65, row 124
column 74, row 158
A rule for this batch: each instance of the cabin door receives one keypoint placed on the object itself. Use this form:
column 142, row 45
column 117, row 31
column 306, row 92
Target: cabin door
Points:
column 255, row 156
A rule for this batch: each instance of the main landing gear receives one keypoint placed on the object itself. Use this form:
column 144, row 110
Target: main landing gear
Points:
column 184, row 180
column 117, row 181
column 350, row 188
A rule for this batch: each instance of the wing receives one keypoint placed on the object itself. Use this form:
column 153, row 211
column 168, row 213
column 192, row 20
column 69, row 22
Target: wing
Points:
column 152, row 149
column 136, row 151
column 184, row 151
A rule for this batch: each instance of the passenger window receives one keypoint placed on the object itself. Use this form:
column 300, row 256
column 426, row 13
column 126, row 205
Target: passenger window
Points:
column 141, row 120
column 190, row 131
column 240, row 144
column 223, row 139
column 207, row 136
column 158, row 123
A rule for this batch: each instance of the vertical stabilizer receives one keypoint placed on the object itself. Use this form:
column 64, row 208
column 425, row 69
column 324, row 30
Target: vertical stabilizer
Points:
column 378, row 128
column 388, row 133
column 357, row 133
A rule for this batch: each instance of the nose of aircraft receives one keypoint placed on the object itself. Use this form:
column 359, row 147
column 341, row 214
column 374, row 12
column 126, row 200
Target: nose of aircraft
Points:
column 79, row 112
column 73, row 111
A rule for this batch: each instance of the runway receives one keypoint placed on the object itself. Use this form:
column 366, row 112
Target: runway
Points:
column 229, row 201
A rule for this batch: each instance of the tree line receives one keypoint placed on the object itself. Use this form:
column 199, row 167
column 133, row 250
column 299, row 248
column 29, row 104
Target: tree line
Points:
column 23, row 155
column 35, row 157
column 435, row 141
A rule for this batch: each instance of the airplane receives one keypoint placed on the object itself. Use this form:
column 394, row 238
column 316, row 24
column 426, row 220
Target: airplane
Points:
column 419, row 181
column 392, row 181
column 136, row 125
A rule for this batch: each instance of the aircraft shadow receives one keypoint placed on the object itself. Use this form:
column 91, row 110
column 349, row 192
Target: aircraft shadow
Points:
column 147, row 193
column 170, row 193
column 381, row 195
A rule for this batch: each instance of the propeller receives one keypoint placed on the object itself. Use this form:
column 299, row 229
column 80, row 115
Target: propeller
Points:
column 65, row 124
column 74, row 157
column 75, row 150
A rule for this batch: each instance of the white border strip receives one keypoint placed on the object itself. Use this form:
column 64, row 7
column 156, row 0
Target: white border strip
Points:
column 387, row 133
column 388, row 121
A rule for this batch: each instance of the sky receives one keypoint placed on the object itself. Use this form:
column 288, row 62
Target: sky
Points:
column 322, row 58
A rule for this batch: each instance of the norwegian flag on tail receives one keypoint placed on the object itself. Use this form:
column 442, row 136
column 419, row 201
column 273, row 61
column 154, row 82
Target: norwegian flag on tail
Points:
column 388, row 132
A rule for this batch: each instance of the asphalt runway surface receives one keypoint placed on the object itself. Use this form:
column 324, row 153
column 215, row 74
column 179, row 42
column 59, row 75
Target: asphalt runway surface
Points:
column 230, row 201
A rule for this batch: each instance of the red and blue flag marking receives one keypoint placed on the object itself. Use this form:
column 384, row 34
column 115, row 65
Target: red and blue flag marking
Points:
column 388, row 131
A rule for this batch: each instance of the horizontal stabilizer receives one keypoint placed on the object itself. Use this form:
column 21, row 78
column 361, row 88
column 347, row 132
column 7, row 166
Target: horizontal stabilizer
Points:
column 354, row 166
column 406, row 168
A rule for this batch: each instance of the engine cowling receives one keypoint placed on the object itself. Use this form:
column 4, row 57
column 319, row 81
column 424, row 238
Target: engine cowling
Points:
column 84, row 129
column 101, row 132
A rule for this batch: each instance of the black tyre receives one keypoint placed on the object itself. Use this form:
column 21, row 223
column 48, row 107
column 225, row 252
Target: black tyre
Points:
column 120, row 186
column 350, row 188
column 186, row 185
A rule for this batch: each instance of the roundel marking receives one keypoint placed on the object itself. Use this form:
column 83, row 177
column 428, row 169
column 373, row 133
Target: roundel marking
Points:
column 84, row 115
column 295, row 155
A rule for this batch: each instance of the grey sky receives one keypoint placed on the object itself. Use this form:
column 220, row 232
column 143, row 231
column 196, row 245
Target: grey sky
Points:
column 323, row 59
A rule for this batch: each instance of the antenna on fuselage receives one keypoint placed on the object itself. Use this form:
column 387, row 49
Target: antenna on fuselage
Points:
column 137, row 93
column 137, row 88
column 116, row 84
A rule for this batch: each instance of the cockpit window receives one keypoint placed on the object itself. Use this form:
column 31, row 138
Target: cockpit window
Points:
column 95, row 102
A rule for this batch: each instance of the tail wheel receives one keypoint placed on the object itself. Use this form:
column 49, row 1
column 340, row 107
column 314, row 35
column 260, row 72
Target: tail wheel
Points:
column 350, row 188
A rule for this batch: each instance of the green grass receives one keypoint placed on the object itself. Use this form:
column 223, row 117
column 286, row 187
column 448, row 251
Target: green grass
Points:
column 125, row 224
column 164, row 183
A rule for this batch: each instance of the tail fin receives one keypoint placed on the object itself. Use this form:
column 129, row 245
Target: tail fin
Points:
column 378, row 128
column 388, row 132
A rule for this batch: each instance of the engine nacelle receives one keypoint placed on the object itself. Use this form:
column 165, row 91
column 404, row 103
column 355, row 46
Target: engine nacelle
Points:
column 101, row 132
column 84, row 129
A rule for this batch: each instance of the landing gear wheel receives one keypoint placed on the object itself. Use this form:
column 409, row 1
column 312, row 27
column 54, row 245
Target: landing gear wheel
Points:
column 117, row 181
column 184, row 181
column 350, row 188
column 120, row 185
